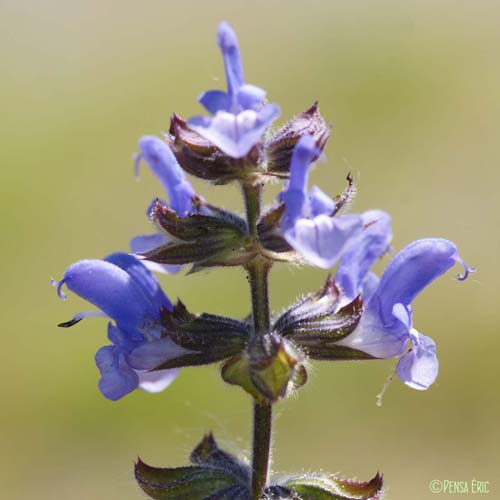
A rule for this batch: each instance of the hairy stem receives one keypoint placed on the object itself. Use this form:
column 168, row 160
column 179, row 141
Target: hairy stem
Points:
column 253, row 195
column 262, row 420
column 258, row 271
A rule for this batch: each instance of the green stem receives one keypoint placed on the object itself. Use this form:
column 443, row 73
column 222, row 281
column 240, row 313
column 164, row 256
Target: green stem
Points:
column 253, row 195
column 258, row 271
column 262, row 420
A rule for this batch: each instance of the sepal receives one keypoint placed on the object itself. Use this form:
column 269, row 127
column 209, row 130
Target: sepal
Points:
column 211, row 237
column 214, row 474
column 344, row 200
column 270, row 235
column 280, row 147
column 201, row 158
column 327, row 487
column 205, row 338
column 319, row 320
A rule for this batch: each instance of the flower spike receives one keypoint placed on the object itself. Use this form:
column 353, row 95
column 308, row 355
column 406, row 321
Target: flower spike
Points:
column 355, row 316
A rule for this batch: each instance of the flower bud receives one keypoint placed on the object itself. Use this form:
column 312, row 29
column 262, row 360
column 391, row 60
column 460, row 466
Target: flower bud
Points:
column 269, row 369
column 280, row 147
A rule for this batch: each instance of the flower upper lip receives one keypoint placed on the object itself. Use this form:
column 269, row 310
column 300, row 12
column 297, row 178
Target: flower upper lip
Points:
column 240, row 116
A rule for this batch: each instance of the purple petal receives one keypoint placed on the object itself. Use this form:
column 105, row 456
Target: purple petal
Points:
column 371, row 337
column 111, row 289
column 250, row 97
column 164, row 165
column 117, row 378
column 323, row 239
column 145, row 243
column 369, row 286
column 215, row 100
column 419, row 367
column 157, row 381
column 372, row 242
column 144, row 279
column 320, row 202
column 228, row 44
column 126, row 341
column 153, row 354
column 296, row 206
column 413, row 268
column 303, row 154
column 235, row 135
column 297, row 201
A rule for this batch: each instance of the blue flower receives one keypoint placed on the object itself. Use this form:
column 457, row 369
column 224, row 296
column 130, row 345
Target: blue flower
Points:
column 125, row 291
column 308, row 224
column 165, row 167
column 240, row 116
column 386, row 326
column 353, row 275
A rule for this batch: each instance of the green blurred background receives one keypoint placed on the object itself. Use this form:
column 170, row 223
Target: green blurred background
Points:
column 413, row 91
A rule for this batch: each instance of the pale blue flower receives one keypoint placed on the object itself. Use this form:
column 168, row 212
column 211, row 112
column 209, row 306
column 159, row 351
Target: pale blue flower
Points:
column 181, row 193
column 308, row 224
column 126, row 292
column 386, row 326
column 240, row 117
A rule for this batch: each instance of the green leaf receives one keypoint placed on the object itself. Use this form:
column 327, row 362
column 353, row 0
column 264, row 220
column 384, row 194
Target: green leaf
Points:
column 183, row 483
column 329, row 487
column 208, row 454
column 214, row 475
column 280, row 493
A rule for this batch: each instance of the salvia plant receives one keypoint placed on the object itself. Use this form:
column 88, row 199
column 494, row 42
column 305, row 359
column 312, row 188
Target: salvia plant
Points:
column 355, row 315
